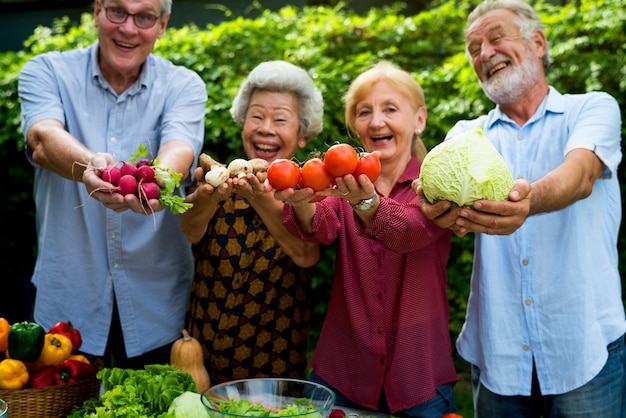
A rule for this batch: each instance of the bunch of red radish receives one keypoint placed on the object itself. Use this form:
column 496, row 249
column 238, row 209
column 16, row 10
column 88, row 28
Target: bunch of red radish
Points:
column 137, row 179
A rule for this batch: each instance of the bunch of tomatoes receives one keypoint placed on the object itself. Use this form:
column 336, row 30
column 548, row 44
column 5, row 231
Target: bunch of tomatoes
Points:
column 319, row 173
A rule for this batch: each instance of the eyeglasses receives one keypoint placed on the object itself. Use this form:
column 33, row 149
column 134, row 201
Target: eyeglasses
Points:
column 119, row 15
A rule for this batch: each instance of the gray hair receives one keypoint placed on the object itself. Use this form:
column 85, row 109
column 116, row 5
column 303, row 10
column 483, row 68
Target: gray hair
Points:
column 166, row 6
column 281, row 76
column 527, row 18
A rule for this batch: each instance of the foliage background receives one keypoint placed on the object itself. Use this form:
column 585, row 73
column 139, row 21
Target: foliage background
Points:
column 588, row 48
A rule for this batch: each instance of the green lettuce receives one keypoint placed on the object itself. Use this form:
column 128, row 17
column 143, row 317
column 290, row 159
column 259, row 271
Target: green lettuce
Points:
column 465, row 168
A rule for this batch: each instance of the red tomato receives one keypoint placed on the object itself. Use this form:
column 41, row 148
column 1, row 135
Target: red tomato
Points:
column 337, row 413
column 315, row 175
column 341, row 159
column 369, row 164
column 283, row 174
column 451, row 415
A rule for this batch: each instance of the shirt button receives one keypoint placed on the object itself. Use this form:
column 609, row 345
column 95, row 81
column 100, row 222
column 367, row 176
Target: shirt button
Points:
column 379, row 296
column 528, row 301
column 113, row 139
column 525, row 261
column 381, row 361
column 526, row 347
column 520, row 136
column 380, row 330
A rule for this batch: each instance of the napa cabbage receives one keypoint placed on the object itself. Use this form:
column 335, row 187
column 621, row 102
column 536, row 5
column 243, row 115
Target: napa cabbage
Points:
column 465, row 168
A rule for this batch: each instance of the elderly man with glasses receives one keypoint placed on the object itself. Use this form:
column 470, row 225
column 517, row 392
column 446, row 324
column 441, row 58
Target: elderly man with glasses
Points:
column 117, row 267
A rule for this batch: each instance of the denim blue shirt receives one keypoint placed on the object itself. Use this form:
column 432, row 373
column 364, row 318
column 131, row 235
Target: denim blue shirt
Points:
column 550, row 291
column 86, row 252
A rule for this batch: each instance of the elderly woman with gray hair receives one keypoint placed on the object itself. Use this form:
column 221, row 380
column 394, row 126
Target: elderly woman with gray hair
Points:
column 249, row 304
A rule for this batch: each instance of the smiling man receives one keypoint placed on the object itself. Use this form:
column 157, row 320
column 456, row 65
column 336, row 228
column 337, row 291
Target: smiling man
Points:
column 118, row 268
column 545, row 323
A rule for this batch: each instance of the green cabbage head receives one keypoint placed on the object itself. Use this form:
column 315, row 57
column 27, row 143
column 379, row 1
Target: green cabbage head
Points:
column 465, row 168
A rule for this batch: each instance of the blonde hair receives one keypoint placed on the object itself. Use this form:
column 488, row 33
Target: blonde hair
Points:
column 398, row 78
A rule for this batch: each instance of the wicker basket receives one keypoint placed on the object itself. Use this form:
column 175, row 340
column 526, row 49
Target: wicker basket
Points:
column 52, row 401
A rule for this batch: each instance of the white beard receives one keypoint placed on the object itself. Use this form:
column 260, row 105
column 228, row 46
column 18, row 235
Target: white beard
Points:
column 504, row 89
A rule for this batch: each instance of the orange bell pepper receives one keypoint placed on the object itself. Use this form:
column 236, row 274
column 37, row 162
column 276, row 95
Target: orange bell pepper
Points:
column 5, row 326
column 79, row 357
column 56, row 349
column 13, row 374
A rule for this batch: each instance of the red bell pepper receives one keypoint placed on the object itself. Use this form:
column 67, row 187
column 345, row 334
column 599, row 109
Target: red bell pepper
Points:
column 67, row 329
column 73, row 371
column 43, row 378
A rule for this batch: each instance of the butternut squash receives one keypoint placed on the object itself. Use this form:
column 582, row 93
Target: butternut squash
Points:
column 186, row 354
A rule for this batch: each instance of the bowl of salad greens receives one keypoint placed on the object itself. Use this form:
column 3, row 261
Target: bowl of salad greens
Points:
column 268, row 397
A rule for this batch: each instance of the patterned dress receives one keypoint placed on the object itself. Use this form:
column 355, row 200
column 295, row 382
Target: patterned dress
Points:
column 249, row 305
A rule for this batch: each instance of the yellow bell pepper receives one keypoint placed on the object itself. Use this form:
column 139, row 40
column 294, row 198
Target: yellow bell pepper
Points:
column 13, row 374
column 5, row 327
column 56, row 349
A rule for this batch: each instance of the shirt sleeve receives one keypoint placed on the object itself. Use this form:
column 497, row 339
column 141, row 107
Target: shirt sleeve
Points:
column 402, row 227
column 595, row 125
column 39, row 93
column 183, row 116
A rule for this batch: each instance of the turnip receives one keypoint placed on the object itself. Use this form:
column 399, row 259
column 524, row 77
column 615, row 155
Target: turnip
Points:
column 145, row 174
column 111, row 174
column 126, row 185
column 143, row 161
column 138, row 176
column 128, row 168
column 149, row 191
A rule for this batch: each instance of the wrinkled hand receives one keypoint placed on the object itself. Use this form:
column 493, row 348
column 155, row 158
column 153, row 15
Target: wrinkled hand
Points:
column 498, row 218
column 106, row 193
column 485, row 216
column 295, row 197
column 252, row 187
column 352, row 189
column 205, row 191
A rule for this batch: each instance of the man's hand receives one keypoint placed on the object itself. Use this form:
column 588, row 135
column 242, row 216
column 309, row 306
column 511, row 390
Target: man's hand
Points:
column 486, row 216
column 107, row 194
column 497, row 218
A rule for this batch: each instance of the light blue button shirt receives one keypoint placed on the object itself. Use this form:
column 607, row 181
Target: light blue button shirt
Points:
column 85, row 251
column 551, row 290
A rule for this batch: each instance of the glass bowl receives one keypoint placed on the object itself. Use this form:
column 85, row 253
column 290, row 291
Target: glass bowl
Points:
column 276, row 397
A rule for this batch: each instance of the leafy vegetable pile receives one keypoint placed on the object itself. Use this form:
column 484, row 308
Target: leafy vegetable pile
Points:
column 256, row 409
column 465, row 168
column 145, row 393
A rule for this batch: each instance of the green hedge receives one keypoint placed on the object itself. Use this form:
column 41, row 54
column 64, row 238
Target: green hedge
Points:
column 588, row 47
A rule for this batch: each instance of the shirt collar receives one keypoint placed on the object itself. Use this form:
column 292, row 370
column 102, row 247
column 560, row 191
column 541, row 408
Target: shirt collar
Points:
column 411, row 172
column 554, row 102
